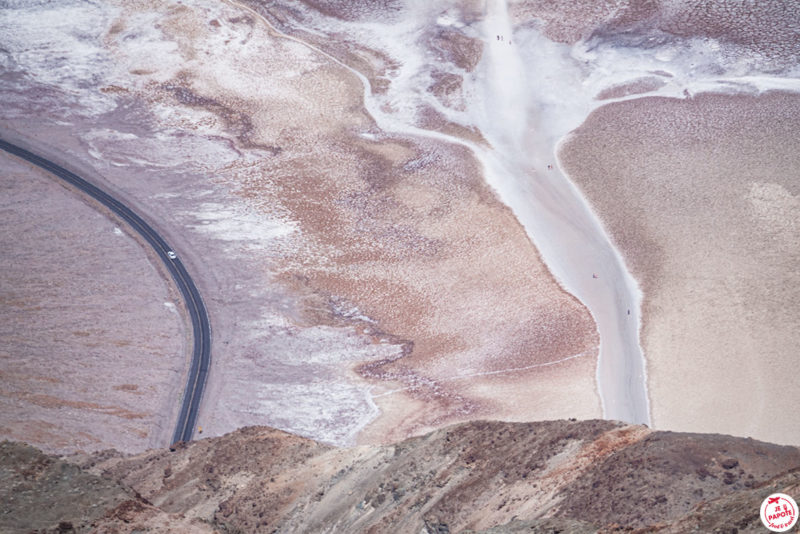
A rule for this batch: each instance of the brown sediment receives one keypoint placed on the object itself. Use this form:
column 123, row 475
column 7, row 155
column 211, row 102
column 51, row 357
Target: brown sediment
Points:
column 430, row 119
column 462, row 51
column 701, row 197
column 441, row 284
column 565, row 21
column 237, row 122
column 447, row 88
column 767, row 27
column 641, row 85
column 355, row 10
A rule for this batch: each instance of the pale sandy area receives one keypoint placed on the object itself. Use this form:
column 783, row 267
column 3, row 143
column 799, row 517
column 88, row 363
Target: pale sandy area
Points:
column 701, row 196
column 92, row 344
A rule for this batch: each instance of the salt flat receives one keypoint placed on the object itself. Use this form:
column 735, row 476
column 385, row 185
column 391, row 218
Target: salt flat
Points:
column 393, row 227
column 702, row 195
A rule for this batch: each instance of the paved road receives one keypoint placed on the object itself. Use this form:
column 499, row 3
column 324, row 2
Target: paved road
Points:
column 201, row 355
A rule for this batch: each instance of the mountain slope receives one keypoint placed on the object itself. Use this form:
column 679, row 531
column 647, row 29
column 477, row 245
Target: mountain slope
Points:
column 550, row 476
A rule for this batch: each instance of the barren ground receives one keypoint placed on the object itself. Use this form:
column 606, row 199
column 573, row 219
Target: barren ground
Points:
column 349, row 274
column 702, row 197
column 93, row 345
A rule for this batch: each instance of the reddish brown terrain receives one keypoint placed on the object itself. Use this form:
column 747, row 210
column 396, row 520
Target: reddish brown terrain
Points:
column 558, row 476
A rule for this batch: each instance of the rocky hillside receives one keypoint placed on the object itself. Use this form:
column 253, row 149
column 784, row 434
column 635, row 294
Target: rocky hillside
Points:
column 558, row 476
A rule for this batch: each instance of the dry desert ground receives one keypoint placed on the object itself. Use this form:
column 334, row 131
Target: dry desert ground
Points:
column 401, row 215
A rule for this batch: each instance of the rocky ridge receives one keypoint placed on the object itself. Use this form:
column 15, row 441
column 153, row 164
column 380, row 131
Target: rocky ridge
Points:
column 555, row 476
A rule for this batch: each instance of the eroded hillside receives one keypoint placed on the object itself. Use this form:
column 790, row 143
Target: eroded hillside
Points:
column 483, row 476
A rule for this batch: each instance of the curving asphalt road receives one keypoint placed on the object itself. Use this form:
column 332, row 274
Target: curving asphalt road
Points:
column 201, row 355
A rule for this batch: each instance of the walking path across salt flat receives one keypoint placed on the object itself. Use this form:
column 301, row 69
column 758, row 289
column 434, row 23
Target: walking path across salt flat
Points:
column 569, row 236
column 526, row 94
